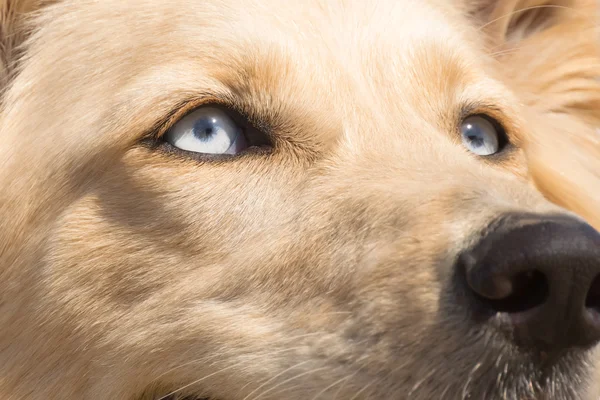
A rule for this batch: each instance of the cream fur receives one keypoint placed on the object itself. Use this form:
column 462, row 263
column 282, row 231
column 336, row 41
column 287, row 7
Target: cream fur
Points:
column 318, row 271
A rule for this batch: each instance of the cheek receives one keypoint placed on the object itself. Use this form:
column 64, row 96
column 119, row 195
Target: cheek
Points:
column 109, row 260
column 152, row 222
column 200, row 206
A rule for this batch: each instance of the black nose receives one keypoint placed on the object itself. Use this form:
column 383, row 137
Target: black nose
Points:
column 539, row 277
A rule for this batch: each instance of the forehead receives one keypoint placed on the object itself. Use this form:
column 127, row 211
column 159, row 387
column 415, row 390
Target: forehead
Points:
column 326, row 61
column 379, row 42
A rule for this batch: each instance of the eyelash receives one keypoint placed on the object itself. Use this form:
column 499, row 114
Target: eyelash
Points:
column 260, row 140
column 493, row 114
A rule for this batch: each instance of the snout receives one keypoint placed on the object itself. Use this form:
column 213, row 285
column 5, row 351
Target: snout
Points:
column 536, row 278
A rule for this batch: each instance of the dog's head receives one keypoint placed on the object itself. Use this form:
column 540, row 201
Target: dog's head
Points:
column 263, row 199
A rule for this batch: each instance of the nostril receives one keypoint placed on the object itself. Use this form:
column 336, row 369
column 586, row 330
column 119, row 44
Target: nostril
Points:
column 535, row 280
column 592, row 301
column 529, row 289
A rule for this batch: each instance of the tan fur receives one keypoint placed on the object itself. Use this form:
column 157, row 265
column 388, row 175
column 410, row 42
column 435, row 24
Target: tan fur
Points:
column 319, row 271
column 13, row 32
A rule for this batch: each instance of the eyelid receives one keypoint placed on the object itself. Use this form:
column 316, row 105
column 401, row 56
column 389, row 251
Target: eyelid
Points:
column 494, row 114
column 259, row 140
column 180, row 111
column 476, row 108
column 233, row 110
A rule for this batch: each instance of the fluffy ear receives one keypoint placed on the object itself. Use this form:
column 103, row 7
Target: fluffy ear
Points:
column 510, row 21
column 539, row 33
column 14, row 15
column 548, row 53
column 564, row 163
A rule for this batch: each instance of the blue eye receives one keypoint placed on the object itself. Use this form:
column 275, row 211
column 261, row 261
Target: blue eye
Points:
column 207, row 130
column 480, row 135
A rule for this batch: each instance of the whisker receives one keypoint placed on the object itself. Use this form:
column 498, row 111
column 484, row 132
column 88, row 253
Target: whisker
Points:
column 420, row 382
column 275, row 377
column 199, row 380
column 332, row 385
column 289, row 380
column 286, row 389
column 205, row 360
column 232, row 351
column 465, row 391
column 365, row 388
column 510, row 14
column 222, row 370
column 443, row 394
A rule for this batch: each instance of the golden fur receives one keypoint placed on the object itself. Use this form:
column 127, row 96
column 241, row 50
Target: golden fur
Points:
column 317, row 271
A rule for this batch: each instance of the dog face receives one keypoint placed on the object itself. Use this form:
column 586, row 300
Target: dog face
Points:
column 261, row 199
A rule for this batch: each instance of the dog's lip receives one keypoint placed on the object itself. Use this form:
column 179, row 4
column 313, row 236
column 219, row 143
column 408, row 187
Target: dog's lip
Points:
column 540, row 362
column 511, row 324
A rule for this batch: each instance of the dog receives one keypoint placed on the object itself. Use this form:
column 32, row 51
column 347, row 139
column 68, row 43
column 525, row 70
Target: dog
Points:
column 322, row 199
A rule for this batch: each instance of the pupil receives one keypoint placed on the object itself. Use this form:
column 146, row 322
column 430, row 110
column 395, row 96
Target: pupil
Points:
column 476, row 141
column 204, row 128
